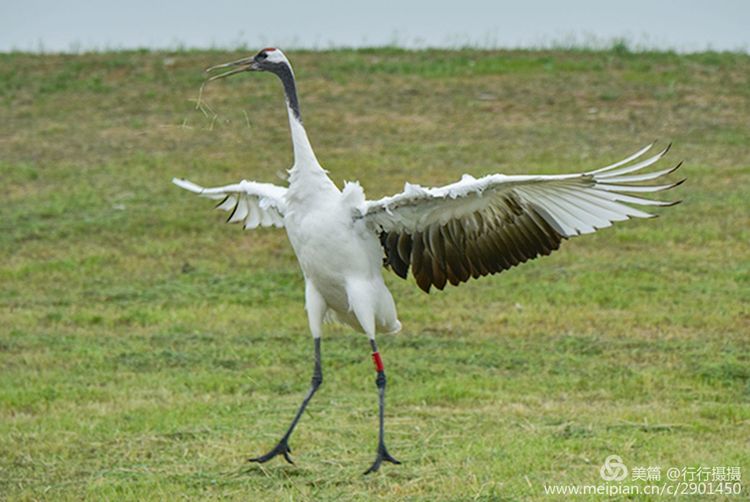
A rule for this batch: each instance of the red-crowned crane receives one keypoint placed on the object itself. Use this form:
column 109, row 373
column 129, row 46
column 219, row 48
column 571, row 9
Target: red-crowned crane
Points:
column 449, row 234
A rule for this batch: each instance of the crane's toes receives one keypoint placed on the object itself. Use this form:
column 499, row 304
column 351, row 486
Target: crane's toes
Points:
column 382, row 456
column 280, row 449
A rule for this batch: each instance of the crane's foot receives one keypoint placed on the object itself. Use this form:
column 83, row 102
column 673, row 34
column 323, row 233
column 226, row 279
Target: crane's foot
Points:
column 280, row 449
column 383, row 455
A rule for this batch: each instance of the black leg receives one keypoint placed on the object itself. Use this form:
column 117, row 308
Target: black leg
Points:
column 282, row 448
column 380, row 381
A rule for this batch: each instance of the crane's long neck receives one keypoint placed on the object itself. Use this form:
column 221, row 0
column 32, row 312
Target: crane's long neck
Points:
column 303, row 152
column 307, row 180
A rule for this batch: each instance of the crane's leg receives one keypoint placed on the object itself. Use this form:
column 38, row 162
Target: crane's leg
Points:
column 316, row 308
column 362, row 302
column 382, row 453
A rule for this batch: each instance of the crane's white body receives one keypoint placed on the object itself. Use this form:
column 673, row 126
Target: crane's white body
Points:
column 340, row 258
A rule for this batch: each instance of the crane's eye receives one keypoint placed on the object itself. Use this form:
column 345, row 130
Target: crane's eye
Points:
column 261, row 56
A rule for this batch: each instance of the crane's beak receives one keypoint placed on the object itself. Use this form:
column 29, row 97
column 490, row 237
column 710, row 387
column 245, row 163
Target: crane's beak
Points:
column 246, row 64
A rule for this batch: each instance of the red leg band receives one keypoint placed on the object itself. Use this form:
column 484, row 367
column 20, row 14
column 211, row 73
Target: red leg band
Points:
column 378, row 361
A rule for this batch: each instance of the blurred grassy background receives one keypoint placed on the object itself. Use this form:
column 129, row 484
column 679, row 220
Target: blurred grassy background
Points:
column 146, row 349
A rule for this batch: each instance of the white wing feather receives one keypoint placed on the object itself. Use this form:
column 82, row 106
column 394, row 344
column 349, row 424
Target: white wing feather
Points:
column 252, row 203
column 573, row 204
column 476, row 227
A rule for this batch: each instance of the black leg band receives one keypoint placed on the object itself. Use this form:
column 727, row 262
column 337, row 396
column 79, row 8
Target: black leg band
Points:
column 380, row 380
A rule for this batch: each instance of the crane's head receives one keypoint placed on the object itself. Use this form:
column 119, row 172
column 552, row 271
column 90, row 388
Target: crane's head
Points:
column 269, row 59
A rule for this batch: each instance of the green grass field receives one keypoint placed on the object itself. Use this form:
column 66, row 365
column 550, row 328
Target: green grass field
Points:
column 147, row 349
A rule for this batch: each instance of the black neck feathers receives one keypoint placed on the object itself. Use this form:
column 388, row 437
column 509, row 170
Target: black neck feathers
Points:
column 284, row 72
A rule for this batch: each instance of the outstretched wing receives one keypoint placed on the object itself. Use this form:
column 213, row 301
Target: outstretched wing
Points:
column 476, row 227
column 254, row 204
